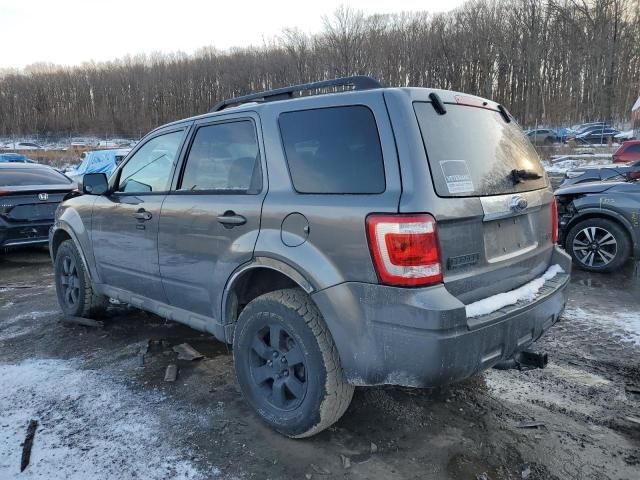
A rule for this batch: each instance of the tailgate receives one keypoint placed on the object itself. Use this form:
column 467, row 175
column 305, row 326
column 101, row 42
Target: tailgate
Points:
column 489, row 194
column 497, row 250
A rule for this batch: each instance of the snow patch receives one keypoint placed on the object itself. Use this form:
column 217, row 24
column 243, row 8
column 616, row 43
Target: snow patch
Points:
column 527, row 292
column 622, row 324
column 562, row 164
column 89, row 427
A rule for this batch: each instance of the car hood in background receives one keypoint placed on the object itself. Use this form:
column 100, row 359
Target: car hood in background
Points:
column 587, row 187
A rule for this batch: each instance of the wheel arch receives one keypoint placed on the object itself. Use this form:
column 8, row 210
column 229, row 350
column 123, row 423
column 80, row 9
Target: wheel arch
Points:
column 61, row 233
column 260, row 276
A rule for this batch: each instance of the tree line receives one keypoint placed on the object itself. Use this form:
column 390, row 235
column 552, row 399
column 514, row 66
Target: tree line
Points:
column 548, row 61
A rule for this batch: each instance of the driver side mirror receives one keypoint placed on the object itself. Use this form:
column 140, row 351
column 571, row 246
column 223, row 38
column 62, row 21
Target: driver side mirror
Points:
column 95, row 184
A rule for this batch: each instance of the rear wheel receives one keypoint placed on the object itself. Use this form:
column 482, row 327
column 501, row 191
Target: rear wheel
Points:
column 287, row 364
column 598, row 245
column 73, row 285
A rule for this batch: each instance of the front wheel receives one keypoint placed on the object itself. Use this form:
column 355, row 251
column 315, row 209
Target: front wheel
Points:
column 287, row 364
column 598, row 245
column 73, row 285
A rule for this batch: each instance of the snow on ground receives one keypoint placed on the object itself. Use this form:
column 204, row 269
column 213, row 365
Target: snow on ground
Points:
column 569, row 162
column 624, row 325
column 89, row 427
column 527, row 292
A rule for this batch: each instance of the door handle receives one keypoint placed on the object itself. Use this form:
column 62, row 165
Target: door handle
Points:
column 230, row 219
column 143, row 215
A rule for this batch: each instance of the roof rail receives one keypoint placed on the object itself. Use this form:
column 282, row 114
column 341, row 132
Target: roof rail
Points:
column 358, row 82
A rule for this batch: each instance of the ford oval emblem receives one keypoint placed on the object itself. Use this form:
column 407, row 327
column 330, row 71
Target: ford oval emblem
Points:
column 518, row 203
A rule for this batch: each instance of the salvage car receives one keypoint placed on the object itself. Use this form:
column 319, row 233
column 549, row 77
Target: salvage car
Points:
column 629, row 151
column 98, row 161
column 29, row 196
column 599, row 223
column 598, row 173
column 375, row 251
column 542, row 136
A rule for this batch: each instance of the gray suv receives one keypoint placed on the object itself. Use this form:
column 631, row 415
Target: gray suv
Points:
column 360, row 237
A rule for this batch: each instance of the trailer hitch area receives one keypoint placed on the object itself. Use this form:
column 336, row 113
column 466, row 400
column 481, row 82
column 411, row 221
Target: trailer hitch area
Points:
column 525, row 360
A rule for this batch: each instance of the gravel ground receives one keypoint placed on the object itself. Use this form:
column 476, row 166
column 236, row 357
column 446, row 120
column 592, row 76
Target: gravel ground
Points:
column 104, row 415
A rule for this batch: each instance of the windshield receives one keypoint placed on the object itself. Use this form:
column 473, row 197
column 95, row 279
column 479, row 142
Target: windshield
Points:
column 473, row 152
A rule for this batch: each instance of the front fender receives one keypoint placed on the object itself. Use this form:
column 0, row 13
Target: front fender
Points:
column 74, row 219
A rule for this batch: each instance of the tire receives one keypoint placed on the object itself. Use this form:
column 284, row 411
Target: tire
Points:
column 313, row 393
column 598, row 245
column 73, row 285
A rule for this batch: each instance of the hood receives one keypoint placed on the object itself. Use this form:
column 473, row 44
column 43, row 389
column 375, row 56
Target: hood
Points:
column 587, row 187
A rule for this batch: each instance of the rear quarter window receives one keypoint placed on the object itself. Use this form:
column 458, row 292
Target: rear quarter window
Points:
column 333, row 150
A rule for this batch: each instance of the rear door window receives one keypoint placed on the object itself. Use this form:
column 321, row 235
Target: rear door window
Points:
column 224, row 158
column 472, row 152
column 333, row 150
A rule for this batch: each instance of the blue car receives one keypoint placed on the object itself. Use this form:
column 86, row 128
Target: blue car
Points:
column 98, row 161
column 14, row 158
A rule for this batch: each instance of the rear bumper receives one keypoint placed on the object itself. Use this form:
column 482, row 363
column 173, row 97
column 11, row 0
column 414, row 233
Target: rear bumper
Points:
column 422, row 338
column 24, row 233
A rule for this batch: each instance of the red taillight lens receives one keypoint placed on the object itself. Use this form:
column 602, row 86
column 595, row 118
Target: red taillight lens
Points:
column 405, row 249
column 554, row 221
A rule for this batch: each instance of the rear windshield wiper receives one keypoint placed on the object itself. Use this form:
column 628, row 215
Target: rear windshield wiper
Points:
column 522, row 175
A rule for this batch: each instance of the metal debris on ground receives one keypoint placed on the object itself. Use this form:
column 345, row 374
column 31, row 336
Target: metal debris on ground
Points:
column 530, row 424
column 13, row 286
column 28, row 444
column 635, row 420
column 187, row 352
column 171, row 373
column 320, row 470
column 87, row 322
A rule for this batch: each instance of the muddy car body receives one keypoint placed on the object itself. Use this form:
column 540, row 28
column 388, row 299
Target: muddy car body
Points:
column 351, row 225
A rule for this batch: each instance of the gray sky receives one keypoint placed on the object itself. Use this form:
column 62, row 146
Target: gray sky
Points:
column 74, row 31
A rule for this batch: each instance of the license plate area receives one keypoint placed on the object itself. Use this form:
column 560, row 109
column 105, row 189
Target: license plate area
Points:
column 509, row 237
column 37, row 211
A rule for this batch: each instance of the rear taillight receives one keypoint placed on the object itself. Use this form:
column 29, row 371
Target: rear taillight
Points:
column 554, row 221
column 405, row 249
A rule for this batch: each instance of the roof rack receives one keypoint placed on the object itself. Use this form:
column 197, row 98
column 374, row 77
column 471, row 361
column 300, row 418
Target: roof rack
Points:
column 358, row 82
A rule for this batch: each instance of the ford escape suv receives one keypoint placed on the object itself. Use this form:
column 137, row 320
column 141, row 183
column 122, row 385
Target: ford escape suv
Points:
column 366, row 236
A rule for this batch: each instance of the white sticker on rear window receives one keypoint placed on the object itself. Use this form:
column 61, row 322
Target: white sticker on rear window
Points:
column 456, row 174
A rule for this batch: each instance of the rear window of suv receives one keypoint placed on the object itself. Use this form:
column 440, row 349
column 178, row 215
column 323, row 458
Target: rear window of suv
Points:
column 333, row 150
column 472, row 151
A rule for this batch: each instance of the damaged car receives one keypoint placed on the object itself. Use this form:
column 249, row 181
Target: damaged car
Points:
column 600, row 223
column 371, row 236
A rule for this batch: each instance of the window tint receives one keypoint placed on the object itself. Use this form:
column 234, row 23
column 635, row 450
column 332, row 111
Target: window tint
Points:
column 473, row 152
column 23, row 177
column 224, row 157
column 333, row 150
column 633, row 148
column 149, row 169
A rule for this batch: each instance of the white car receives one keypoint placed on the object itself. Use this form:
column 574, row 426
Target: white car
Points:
column 21, row 146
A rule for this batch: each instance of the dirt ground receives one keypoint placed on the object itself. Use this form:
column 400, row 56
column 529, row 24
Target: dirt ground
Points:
column 105, row 412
